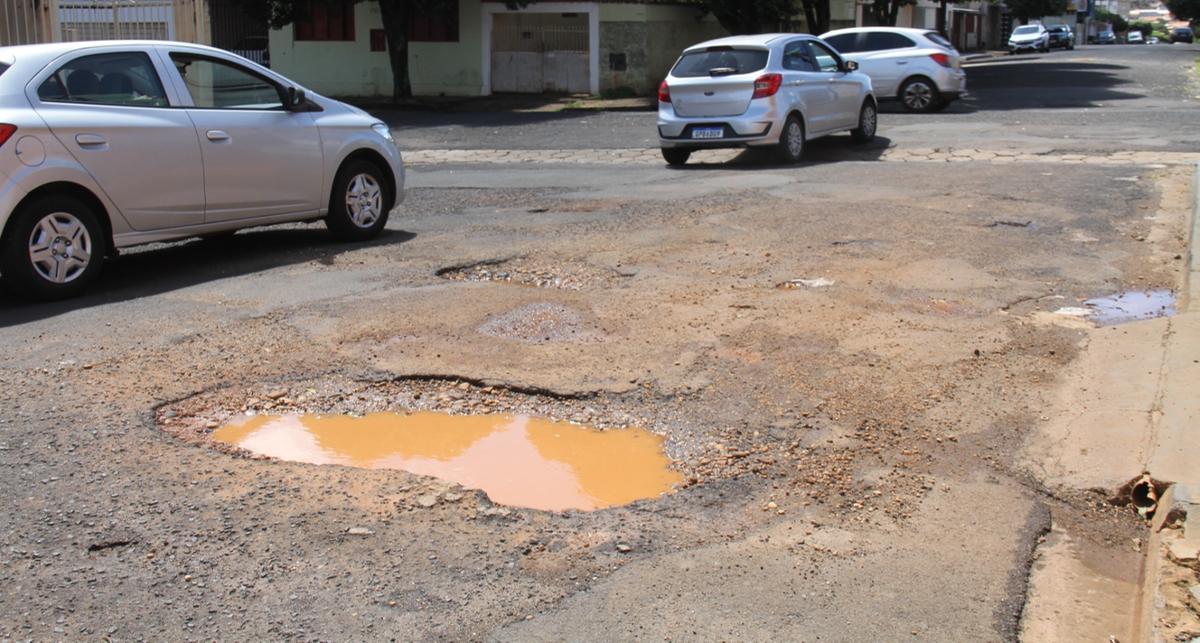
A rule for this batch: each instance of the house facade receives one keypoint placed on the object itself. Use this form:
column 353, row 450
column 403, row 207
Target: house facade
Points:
column 480, row 47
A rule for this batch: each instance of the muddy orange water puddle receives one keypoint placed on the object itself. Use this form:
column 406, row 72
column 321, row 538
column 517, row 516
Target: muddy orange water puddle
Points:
column 517, row 460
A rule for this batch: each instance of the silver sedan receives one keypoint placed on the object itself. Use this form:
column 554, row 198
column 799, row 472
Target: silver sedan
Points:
column 105, row 145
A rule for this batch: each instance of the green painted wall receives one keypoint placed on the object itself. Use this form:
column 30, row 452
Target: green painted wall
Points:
column 352, row 69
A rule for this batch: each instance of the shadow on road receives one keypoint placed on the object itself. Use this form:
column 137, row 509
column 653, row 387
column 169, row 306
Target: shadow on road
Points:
column 1016, row 82
column 162, row 268
column 827, row 149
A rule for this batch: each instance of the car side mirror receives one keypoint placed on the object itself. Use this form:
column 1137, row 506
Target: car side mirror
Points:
column 296, row 100
column 851, row 65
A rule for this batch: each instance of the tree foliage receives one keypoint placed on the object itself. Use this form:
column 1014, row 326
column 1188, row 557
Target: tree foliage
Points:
column 765, row 16
column 885, row 12
column 1184, row 9
column 1026, row 10
column 1117, row 22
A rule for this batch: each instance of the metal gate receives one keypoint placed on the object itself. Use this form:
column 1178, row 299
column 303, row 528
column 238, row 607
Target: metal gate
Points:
column 20, row 22
column 115, row 19
column 534, row 53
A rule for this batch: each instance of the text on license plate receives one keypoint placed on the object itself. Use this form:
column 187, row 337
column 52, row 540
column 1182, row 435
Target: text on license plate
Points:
column 708, row 132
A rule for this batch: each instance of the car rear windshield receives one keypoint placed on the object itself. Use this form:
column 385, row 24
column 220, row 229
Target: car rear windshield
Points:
column 938, row 39
column 1021, row 31
column 720, row 61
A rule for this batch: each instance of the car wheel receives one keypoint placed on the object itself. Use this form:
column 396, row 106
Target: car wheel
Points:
column 919, row 95
column 359, row 204
column 675, row 156
column 54, row 249
column 791, row 140
column 868, row 119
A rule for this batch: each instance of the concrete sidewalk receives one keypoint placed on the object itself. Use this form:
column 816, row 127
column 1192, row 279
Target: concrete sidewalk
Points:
column 1170, row 598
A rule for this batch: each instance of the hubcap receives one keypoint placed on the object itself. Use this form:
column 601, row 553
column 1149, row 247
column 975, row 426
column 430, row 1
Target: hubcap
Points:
column 918, row 95
column 60, row 248
column 364, row 200
column 867, row 124
column 795, row 139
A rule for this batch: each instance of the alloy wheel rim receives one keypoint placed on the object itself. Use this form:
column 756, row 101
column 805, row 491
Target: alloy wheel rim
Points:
column 869, row 120
column 60, row 248
column 364, row 200
column 795, row 139
column 918, row 95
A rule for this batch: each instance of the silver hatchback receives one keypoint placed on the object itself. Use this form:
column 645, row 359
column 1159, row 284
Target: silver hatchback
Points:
column 105, row 145
column 771, row 90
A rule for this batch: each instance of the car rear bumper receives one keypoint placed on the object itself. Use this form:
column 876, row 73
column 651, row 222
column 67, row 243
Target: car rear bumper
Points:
column 759, row 125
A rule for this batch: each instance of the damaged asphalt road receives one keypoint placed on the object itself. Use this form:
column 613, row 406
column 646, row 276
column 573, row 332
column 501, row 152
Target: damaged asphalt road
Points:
column 849, row 445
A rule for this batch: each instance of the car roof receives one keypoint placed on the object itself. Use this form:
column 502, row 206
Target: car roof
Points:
column 756, row 40
column 908, row 31
column 49, row 51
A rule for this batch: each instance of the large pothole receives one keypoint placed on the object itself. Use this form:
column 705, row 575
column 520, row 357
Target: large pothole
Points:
column 532, row 449
column 516, row 460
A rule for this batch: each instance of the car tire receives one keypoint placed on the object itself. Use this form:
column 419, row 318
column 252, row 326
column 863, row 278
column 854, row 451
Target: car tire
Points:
column 675, row 156
column 868, row 120
column 359, row 202
column 790, row 148
column 919, row 95
column 54, row 249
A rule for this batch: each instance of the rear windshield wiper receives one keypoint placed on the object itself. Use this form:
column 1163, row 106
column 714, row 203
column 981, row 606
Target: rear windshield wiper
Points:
column 721, row 71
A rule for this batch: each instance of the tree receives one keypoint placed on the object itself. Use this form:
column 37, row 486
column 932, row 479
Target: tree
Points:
column 1026, row 10
column 765, row 16
column 1117, row 22
column 397, row 16
column 1184, row 9
column 1144, row 26
column 885, row 12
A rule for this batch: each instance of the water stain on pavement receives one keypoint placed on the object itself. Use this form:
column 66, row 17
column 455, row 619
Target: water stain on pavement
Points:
column 517, row 460
column 1130, row 306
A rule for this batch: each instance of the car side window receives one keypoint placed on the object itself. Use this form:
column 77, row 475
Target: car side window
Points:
column 884, row 40
column 827, row 61
column 216, row 84
column 126, row 78
column 847, row 43
column 796, row 57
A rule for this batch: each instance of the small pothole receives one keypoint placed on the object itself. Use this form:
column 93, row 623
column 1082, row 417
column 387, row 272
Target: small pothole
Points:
column 1124, row 307
column 537, row 273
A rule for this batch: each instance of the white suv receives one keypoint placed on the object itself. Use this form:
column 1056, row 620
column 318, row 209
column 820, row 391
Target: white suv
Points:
column 1033, row 37
column 918, row 67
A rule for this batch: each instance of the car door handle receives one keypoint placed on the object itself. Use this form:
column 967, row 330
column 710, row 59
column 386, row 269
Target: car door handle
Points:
column 90, row 140
column 216, row 135
column 901, row 62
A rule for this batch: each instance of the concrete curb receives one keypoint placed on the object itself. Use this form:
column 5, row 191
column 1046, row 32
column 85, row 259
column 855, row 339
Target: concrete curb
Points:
column 1191, row 279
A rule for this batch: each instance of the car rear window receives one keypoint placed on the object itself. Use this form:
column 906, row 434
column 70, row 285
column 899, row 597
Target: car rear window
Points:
column 719, row 61
column 846, row 43
column 938, row 39
column 884, row 40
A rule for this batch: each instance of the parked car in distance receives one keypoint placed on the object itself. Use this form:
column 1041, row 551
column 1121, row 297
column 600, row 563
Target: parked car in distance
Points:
column 1029, row 38
column 769, row 90
column 1061, row 36
column 1182, row 34
column 1134, row 38
column 1107, row 37
column 1152, row 40
column 918, row 67
column 110, row 144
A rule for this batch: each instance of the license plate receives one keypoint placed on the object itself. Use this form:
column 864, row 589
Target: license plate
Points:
column 708, row 132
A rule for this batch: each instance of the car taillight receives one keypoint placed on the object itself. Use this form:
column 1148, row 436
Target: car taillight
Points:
column 941, row 59
column 766, row 85
column 6, row 132
column 664, row 93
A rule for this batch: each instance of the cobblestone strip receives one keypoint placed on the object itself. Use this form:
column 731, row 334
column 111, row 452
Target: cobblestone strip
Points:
column 933, row 155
